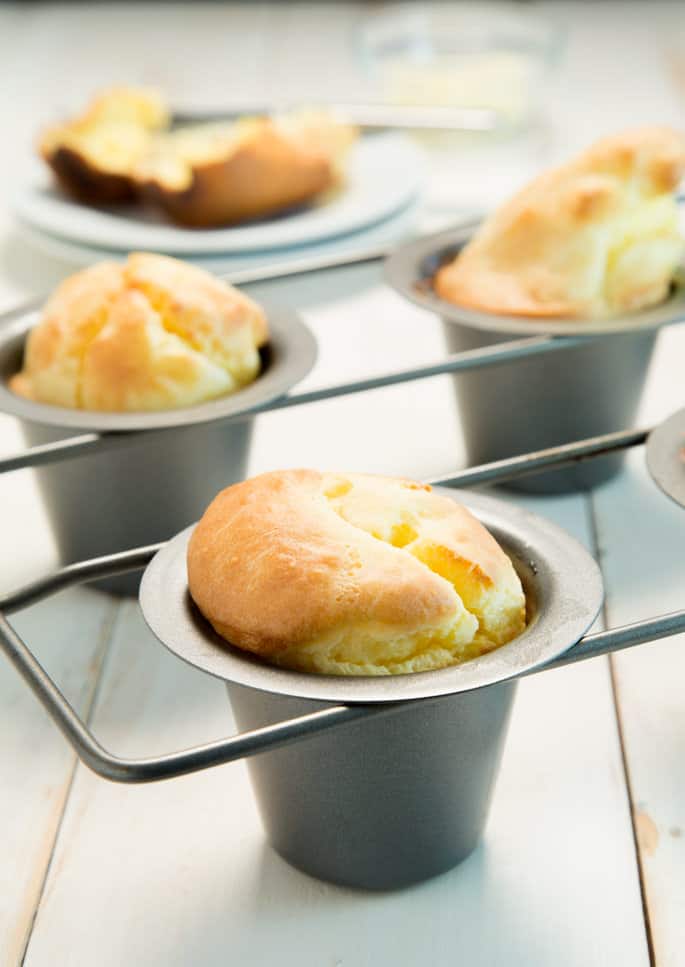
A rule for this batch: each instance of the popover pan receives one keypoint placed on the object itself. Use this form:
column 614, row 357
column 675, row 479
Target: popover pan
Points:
column 344, row 796
column 388, row 801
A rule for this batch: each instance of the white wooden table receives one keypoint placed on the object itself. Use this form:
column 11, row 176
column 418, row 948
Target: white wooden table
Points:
column 583, row 861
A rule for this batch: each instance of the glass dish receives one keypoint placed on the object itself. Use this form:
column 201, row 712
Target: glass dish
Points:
column 492, row 57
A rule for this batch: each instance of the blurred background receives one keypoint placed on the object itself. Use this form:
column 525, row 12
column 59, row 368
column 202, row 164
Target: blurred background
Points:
column 536, row 80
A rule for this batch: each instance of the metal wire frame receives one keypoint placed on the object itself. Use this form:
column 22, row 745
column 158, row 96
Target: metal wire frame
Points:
column 230, row 749
column 86, row 443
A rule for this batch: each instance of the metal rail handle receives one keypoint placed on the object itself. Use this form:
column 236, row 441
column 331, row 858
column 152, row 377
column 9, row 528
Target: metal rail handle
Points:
column 87, row 443
column 112, row 767
column 364, row 114
column 562, row 455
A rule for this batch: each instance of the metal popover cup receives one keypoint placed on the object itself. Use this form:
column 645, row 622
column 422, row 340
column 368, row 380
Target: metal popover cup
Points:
column 144, row 492
column 546, row 400
column 387, row 801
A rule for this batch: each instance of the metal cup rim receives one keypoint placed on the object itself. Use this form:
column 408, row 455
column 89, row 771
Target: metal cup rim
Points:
column 406, row 271
column 559, row 573
column 292, row 347
column 664, row 453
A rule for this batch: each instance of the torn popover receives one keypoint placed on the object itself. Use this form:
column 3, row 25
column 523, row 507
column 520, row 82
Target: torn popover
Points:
column 593, row 238
column 153, row 333
column 348, row 574
column 94, row 155
column 209, row 175
column 123, row 148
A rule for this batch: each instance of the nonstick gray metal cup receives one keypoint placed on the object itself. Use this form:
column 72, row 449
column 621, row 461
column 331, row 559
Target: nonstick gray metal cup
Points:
column 387, row 801
column 382, row 804
column 545, row 400
column 144, row 492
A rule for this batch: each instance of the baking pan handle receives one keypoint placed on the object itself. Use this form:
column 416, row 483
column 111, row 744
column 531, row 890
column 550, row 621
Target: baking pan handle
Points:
column 99, row 567
column 112, row 767
column 618, row 639
column 86, row 746
column 504, row 352
column 560, row 456
column 496, row 472
column 75, row 446
column 85, row 443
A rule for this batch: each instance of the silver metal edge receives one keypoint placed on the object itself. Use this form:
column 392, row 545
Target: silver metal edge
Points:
column 369, row 114
column 665, row 454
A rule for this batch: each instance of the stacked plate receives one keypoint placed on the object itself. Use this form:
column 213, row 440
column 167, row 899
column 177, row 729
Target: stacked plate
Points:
column 376, row 204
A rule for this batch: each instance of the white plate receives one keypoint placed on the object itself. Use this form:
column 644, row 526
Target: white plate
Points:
column 384, row 173
column 397, row 227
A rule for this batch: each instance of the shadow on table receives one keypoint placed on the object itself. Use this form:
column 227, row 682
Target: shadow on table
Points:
column 468, row 915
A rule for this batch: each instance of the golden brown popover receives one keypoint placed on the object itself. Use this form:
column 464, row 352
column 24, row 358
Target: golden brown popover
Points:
column 593, row 238
column 348, row 574
column 220, row 174
column 151, row 334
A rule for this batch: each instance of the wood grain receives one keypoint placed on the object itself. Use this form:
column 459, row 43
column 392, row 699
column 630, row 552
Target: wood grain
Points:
column 643, row 537
column 36, row 765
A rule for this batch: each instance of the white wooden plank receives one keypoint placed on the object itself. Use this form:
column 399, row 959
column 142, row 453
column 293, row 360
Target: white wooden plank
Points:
column 363, row 329
column 69, row 635
column 181, row 873
column 642, row 536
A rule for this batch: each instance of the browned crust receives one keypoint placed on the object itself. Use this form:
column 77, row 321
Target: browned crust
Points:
column 272, row 566
column 87, row 183
column 96, row 346
column 260, row 178
column 509, row 266
column 20, row 385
